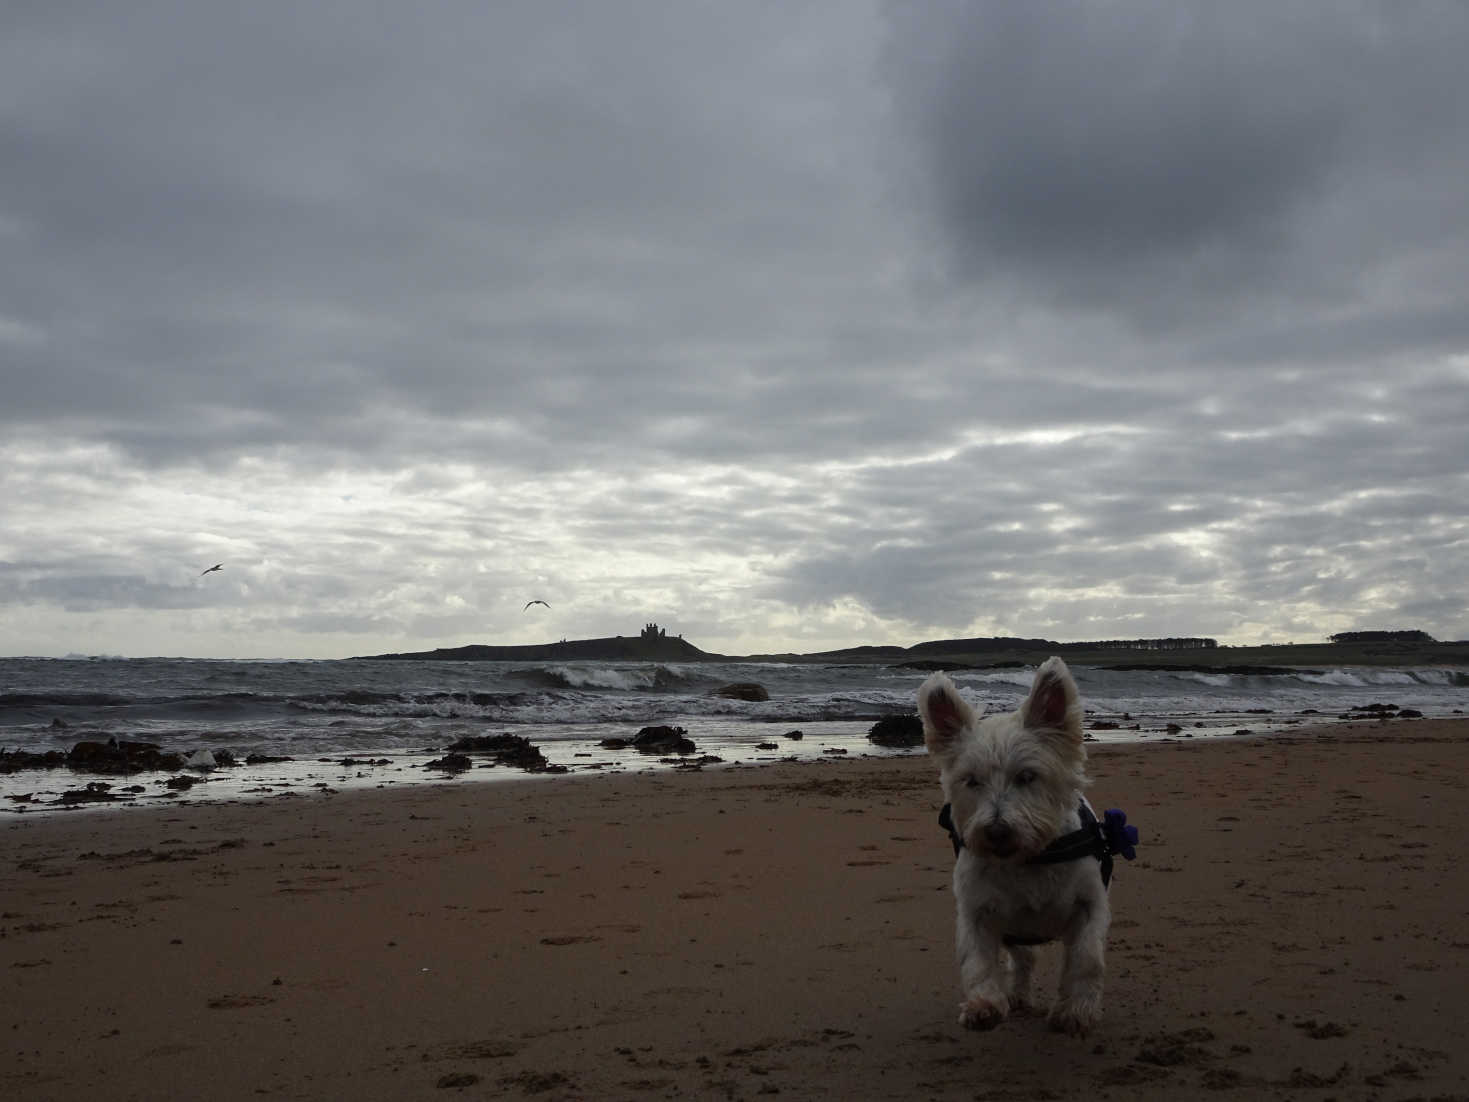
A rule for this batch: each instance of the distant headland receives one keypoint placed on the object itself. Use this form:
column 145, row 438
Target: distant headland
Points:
column 653, row 644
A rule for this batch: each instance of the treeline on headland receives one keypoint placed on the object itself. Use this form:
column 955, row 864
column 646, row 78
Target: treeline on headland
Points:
column 980, row 646
column 1179, row 652
column 1383, row 637
column 1182, row 643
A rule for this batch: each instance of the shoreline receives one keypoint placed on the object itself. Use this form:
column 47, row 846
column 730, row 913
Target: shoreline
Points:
column 58, row 789
column 1292, row 927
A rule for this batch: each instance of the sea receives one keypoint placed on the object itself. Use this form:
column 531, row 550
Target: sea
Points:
column 375, row 723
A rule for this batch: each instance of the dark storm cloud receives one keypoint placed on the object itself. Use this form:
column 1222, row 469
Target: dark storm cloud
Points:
column 311, row 213
column 1160, row 159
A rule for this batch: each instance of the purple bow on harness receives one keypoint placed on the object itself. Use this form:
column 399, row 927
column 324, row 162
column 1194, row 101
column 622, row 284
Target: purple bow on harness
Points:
column 1121, row 838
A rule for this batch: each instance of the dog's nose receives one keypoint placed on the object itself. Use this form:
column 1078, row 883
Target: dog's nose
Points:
column 999, row 835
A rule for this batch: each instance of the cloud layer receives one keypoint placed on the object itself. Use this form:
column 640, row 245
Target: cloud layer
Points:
column 786, row 327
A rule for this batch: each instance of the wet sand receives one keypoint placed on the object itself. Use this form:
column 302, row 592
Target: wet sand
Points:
column 1293, row 928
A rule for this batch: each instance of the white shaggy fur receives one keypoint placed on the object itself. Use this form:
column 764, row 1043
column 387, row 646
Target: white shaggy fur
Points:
column 1014, row 784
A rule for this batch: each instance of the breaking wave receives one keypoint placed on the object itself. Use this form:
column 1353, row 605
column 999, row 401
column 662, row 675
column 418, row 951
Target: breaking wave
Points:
column 1369, row 676
column 656, row 678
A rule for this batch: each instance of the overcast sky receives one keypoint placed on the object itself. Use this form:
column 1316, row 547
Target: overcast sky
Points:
column 786, row 325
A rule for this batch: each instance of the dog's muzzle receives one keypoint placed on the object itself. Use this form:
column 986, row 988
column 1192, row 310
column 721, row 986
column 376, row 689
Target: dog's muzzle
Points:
column 999, row 839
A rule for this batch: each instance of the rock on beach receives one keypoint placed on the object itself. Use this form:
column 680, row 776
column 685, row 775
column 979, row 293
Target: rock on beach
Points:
column 899, row 731
column 663, row 740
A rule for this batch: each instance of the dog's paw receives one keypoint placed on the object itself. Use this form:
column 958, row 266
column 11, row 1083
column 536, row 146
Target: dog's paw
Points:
column 980, row 1013
column 1075, row 1017
column 1023, row 1005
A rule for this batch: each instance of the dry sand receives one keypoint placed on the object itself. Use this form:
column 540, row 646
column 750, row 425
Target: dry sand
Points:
column 1293, row 928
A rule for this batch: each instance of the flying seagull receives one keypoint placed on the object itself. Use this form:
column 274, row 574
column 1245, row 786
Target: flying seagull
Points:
column 212, row 569
column 535, row 602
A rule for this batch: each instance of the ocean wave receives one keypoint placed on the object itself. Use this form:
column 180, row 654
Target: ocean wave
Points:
column 1021, row 678
column 1217, row 680
column 1360, row 677
column 63, row 700
column 1456, row 679
column 306, row 706
column 630, row 679
column 446, row 705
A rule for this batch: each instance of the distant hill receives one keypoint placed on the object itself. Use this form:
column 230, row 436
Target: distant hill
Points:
column 980, row 646
column 654, row 646
column 618, row 648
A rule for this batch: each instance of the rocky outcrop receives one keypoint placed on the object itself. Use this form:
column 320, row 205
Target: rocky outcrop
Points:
column 121, row 757
column 512, row 750
column 13, row 761
column 451, row 763
column 663, row 740
column 897, row 731
column 95, row 792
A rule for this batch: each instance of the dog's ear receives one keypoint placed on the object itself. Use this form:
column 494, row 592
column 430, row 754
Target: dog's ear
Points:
column 1053, row 703
column 945, row 713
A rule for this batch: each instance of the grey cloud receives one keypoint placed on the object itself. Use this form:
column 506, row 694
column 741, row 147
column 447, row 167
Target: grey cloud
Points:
column 1172, row 162
column 302, row 212
column 1285, row 517
column 87, row 589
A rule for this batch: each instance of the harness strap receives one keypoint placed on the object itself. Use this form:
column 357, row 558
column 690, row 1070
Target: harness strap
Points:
column 1088, row 841
column 946, row 820
column 1094, row 839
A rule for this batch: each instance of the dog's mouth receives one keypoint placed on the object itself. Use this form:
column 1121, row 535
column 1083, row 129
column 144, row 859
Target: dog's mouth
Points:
column 1001, row 848
column 1004, row 851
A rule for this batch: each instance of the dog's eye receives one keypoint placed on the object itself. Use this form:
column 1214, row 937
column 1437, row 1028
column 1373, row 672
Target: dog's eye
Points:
column 971, row 782
column 1025, row 777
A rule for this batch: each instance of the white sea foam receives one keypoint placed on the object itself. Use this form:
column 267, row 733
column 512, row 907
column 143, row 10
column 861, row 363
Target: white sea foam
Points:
column 1341, row 677
column 605, row 677
column 1390, row 677
column 1018, row 677
column 1218, row 680
column 1436, row 676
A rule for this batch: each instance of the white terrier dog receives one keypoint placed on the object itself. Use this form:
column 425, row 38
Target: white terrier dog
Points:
column 1032, row 860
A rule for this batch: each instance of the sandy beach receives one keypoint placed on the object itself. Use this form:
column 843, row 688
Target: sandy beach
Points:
column 1293, row 928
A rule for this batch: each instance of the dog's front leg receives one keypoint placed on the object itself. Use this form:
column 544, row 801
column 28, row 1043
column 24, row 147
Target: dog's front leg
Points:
column 981, row 974
column 1080, row 1002
column 1022, row 960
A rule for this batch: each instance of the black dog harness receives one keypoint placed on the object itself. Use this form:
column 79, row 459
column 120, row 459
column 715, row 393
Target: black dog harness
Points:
column 1095, row 838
